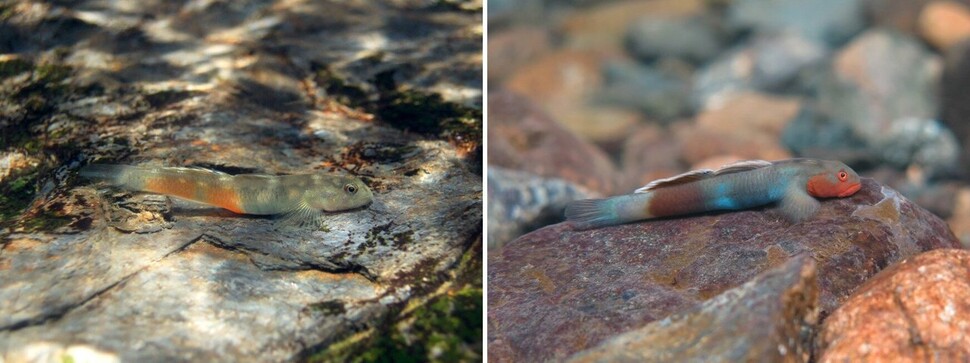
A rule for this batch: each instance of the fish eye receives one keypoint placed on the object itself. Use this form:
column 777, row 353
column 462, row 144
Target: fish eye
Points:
column 350, row 188
column 842, row 175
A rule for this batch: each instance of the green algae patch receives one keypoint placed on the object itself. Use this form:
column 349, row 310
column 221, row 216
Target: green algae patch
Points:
column 16, row 195
column 445, row 327
column 14, row 66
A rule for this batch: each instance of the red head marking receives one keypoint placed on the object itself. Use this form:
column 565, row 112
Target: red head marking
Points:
column 842, row 183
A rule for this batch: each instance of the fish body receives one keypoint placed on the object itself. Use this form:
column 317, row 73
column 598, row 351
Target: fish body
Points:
column 302, row 196
column 793, row 184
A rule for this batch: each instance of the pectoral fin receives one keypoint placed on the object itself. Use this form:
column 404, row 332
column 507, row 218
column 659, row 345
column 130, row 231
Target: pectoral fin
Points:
column 303, row 216
column 797, row 205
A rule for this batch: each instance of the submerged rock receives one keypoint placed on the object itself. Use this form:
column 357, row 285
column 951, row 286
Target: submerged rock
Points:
column 656, row 93
column 557, row 291
column 522, row 137
column 884, row 87
column 747, row 124
column 944, row 23
column 770, row 62
column 776, row 311
column 520, row 202
column 829, row 21
column 694, row 39
column 915, row 309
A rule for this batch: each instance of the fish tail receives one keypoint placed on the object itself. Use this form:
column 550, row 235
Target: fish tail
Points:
column 112, row 174
column 595, row 213
column 129, row 177
column 591, row 213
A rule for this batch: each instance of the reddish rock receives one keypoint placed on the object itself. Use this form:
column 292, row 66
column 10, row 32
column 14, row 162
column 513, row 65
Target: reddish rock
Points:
column 698, row 144
column 944, row 23
column 752, row 111
column 775, row 311
column 557, row 291
column 559, row 79
column 649, row 153
column 748, row 125
column 606, row 126
column 512, row 48
column 914, row 311
column 565, row 84
column 522, row 137
column 568, row 85
column 603, row 27
column 901, row 15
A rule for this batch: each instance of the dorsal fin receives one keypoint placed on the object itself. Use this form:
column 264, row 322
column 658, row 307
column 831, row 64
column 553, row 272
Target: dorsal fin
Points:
column 742, row 166
column 695, row 175
column 690, row 176
column 198, row 169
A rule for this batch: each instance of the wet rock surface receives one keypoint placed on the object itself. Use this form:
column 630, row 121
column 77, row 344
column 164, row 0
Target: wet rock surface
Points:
column 915, row 309
column 247, row 87
column 777, row 310
column 557, row 291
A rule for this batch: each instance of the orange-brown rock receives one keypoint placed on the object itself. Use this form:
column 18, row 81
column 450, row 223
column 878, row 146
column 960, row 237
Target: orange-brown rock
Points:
column 512, row 48
column 603, row 27
column 944, row 23
column 649, row 153
column 523, row 137
column 747, row 125
column 914, row 311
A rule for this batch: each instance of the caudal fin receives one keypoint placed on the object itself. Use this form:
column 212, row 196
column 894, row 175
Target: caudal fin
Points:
column 102, row 172
column 591, row 213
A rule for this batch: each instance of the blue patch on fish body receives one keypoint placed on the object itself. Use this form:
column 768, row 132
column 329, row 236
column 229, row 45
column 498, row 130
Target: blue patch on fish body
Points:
column 725, row 202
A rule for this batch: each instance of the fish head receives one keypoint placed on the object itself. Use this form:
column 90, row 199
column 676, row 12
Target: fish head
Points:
column 332, row 193
column 833, row 179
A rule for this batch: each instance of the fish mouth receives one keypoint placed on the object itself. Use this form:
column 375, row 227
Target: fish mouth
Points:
column 852, row 189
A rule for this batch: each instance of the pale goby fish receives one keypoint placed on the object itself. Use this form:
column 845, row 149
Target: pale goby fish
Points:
column 299, row 199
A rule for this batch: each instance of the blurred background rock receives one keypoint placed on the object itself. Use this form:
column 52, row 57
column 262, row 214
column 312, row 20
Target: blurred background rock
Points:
column 631, row 91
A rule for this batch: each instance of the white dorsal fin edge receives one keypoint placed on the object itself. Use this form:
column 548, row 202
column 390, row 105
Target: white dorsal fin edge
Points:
column 693, row 174
column 699, row 174
column 742, row 166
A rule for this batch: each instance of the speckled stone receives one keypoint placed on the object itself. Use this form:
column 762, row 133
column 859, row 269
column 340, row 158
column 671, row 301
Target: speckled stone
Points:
column 914, row 310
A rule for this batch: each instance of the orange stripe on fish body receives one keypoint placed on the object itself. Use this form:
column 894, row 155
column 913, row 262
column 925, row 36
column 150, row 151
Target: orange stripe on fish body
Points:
column 225, row 197
column 220, row 196
column 676, row 200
